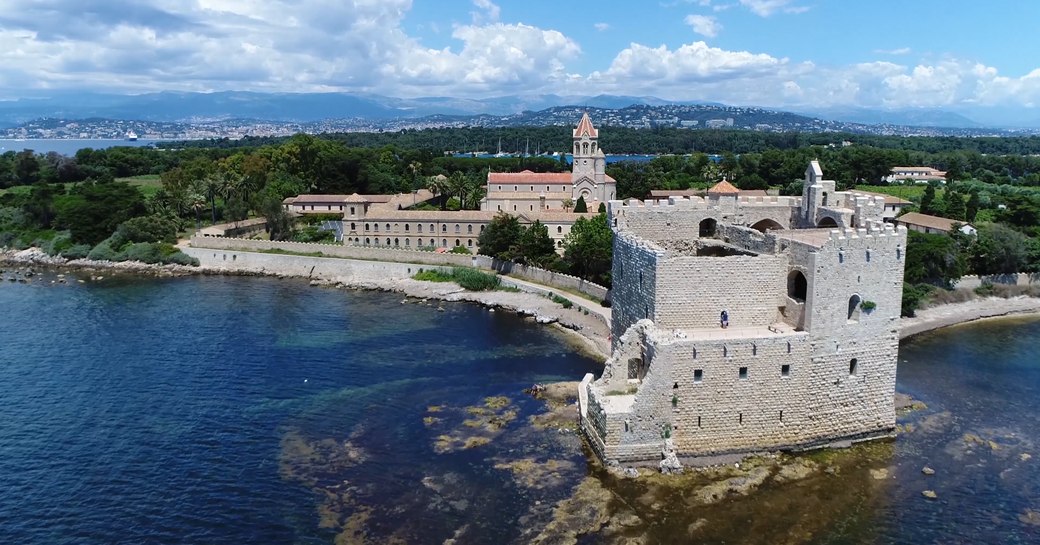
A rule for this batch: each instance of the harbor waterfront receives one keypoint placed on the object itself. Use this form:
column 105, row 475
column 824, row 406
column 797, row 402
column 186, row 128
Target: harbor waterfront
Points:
column 69, row 146
column 230, row 410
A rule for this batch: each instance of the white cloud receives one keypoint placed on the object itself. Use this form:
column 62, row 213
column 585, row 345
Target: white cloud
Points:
column 690, row 63
column 602, row 27
column 704, row 25
column 765, row 8
column 491, row 11
column 897, row 51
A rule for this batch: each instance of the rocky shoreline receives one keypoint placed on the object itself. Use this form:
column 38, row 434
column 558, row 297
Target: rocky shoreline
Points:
column 586, row 328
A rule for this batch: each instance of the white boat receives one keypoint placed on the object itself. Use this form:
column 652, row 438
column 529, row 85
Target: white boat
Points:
column 131, row 136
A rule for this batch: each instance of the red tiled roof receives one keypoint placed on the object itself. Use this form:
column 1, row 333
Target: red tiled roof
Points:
column 300, row 199
column 528, row 177
column 585, row 127
column 723, row 188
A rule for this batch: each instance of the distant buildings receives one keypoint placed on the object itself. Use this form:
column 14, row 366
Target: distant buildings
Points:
column 916, row 174
column 385, row 220
column 923, row 223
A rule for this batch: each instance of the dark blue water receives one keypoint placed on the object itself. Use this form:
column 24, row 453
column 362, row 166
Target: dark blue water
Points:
column 220, row 410
column 250, row 410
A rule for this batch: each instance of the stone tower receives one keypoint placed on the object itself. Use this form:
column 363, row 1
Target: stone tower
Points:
column 588, row 173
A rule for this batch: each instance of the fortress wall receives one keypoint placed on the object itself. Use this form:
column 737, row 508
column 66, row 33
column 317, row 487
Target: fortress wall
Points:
column 785, row 214
column 848, row 404
column 724, row 413
column 857, row 262
column 336, row 270
column 336, row 250
column 634, row 283
column 692, row 291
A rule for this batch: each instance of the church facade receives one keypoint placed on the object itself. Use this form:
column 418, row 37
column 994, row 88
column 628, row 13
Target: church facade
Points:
column 518, row 192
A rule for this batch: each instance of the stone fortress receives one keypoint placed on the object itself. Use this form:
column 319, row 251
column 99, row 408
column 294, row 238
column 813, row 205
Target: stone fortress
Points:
column 812, row 286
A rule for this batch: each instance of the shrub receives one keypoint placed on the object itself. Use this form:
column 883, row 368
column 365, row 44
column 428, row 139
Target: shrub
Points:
column 315, row 219
column 76, row 251
column 152, row 228
column 868, row 306
column 312, row 234
column 460, row 250
column 145, row 252
column 470, row 279
column 567, row 303
column 432, row 275
column 104, row 252
column 912, row 296
column 474, row 280
column 181, row 258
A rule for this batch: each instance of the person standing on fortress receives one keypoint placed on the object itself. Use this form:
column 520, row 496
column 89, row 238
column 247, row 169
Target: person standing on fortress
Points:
column 724, row 319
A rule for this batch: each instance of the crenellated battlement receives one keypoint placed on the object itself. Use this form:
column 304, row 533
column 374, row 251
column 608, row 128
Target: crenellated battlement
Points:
column 876, row 235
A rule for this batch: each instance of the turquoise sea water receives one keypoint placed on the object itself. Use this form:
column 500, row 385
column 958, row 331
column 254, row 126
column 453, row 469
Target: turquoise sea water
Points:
column 254, row 410
column 68, row 146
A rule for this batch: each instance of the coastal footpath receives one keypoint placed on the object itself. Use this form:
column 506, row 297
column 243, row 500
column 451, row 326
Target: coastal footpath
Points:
column 586, row 321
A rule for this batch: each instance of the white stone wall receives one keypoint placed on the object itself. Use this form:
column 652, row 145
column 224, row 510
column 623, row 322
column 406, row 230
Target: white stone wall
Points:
column 633, row 278
column 693, row 291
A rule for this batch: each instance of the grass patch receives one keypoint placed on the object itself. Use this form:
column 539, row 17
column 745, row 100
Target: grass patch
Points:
column 908, row 192
column 280, row 251
column 147, row 184
column 470, row 279
column 567, row 303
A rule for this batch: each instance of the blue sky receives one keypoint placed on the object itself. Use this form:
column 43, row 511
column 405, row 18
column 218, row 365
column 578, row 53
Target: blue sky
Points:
column 790, row 54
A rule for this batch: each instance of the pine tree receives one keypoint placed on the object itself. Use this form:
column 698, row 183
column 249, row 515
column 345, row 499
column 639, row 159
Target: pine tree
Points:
column 928, row 200
column 955, row 209
column 602, row 208
column 580, row 207
column 972, row 208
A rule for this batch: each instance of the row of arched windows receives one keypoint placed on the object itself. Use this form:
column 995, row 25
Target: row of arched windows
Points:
column 406, row 243
column 418, row 228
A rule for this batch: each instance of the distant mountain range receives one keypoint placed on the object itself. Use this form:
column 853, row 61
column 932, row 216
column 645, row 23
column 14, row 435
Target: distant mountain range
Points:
column 309, row 107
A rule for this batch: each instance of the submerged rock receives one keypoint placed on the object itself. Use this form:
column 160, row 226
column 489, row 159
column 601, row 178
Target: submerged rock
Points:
column 930, row 494
column 927, row 470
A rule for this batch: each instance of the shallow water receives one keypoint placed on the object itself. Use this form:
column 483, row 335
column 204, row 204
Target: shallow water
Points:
column 252, row 410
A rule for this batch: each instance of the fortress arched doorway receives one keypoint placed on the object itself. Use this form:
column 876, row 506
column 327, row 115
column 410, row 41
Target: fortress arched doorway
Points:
column 826, row 222
column 707, row 228
column 797, row 286
column 767, row 225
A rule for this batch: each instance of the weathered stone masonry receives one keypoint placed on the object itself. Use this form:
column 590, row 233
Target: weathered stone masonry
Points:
column 809, row 357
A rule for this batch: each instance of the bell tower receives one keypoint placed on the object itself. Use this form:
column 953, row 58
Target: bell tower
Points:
column 588, row 173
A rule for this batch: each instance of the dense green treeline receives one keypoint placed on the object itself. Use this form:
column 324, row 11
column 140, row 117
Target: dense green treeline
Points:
column 72, row 203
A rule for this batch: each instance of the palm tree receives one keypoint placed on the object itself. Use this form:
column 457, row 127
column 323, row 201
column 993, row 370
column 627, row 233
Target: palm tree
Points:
column 438, row 185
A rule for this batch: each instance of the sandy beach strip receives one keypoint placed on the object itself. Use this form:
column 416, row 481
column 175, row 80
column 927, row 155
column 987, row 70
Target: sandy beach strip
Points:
column 969, row 311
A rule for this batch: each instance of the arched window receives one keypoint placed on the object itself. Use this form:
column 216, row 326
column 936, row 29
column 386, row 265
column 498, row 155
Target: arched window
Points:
column 352, row 227
column 457, row 243
column 559, row 229
column 388, row 227
column 419, row 227
column 368, row 241
column 797, row 286
column 444, row 242
column 397, row 242
column 853, row 365
column 444, row 228
column 407, row 242
column 431, row 228
column 824, row 198
column 457, row 229
column 482, row 228
column 469, row 229
column 351, row 210
column 469, row 243
column 388, row 241
column 854, row 302
column 406, row 228
column 366, row 227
